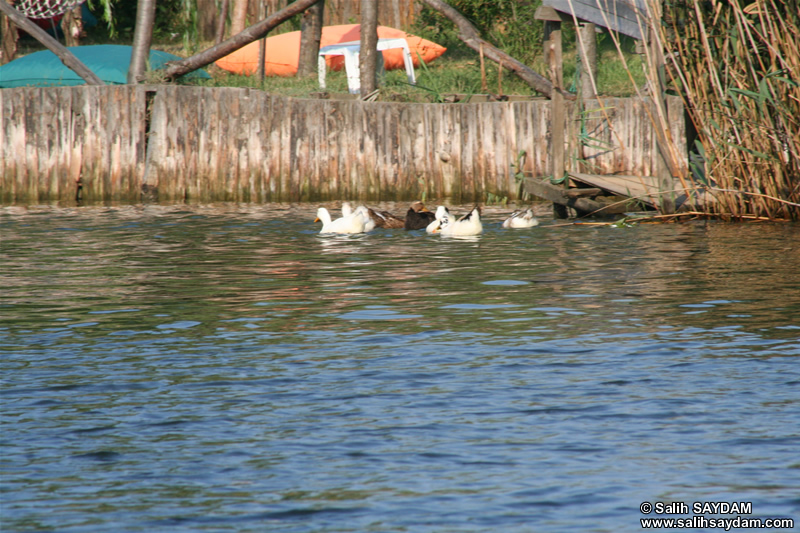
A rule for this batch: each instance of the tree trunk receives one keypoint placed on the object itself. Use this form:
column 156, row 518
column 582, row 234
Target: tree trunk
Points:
column 51, row 44
column 223, row 15
column 471, row 37
column 8, row 49
column 310, row 37
column 206, row 19
column 368, row 55
column 176, row 69
column 142, row 37
column 239, row 16
column 72, row 26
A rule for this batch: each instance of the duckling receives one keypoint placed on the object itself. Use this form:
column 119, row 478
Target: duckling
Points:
column 521, row 219
column 355, row 223
column 442, row 219
column 469, row 224
column 418, row 217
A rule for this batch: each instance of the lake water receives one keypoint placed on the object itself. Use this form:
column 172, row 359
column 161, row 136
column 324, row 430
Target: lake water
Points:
column 226, row 368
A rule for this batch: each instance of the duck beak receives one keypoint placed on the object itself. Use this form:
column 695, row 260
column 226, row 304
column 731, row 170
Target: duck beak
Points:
column 316, row 219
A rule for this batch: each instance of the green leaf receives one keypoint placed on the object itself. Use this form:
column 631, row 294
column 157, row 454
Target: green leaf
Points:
column 750, row 151
column 700, row 148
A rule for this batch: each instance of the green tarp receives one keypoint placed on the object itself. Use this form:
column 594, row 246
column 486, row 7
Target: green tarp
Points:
column 109, row 61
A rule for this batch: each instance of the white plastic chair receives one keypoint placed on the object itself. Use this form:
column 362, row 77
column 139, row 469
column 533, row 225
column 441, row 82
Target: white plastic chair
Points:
column 350, row 50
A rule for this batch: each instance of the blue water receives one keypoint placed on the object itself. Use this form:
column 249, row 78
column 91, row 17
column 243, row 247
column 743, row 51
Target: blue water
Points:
column 226, row 368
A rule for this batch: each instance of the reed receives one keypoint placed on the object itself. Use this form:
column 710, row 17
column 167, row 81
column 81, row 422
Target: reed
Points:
column 737, row 66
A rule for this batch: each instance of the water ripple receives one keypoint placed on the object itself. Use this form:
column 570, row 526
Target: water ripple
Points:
column 225, row 368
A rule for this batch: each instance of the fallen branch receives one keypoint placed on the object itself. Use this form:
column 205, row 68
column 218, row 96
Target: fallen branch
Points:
column 469, row 34
column 176, row 69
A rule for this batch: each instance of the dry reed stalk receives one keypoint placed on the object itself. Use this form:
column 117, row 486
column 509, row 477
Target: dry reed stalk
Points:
column 742, row 90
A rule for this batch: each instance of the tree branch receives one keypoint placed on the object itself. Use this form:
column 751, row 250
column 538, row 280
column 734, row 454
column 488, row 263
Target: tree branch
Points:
column 176, row 69
column 469, row 34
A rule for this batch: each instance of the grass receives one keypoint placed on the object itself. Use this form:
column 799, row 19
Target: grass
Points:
column 445, row 76
column 456, row 72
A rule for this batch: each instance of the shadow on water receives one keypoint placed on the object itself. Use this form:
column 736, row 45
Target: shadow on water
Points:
column 228, row 368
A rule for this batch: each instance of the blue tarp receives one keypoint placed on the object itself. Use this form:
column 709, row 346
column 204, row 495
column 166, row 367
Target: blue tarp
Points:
column 109, row 61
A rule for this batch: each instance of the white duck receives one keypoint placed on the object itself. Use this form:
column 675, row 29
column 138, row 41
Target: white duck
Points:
column 521, row 219
column 347, row 211
column 355, row 223
column 469, row 224
column 442, row 219
column 369, row 222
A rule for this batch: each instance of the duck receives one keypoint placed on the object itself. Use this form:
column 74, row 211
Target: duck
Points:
column 418, row 217
column 521, row 219
column 369, row 223
column 442, row 219
column 469, row 224
column 364, row 211
column 385, row 219
column 355, row 223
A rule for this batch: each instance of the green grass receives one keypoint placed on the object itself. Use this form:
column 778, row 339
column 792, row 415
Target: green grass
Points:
column 445, row 76
column 456, row 72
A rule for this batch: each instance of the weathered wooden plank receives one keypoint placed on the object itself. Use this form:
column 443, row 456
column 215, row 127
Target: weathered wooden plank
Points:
column 413, row 161
column 585, row 192
column 615, row 15
column 140, row 127
column 283, row 142
column 32, row 124
column 187, row 140
column 6, row 166
column 220, row 144
column 646, row 189
column 329, row 153
column 47, row 139
column 559, row 196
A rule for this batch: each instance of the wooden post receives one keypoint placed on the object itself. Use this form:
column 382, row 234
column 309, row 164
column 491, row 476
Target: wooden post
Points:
column 666, row 167
column 557, row 114
column 587, row 47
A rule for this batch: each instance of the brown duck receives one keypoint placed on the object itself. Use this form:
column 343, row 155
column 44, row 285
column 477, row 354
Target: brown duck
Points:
column 418, row 217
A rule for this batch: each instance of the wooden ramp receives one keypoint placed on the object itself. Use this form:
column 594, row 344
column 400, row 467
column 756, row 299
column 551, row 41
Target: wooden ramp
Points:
column 581, row 200
column 646, row 189
column 641, row 190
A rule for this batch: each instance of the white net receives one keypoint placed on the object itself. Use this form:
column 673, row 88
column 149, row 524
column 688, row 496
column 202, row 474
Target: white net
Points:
column 44, row 9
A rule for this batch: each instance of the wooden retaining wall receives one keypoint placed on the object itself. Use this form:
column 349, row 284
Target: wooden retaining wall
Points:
column 179, row 143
